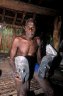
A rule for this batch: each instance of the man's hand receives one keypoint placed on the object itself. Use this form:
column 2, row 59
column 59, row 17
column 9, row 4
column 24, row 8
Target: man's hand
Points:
column 17, row 77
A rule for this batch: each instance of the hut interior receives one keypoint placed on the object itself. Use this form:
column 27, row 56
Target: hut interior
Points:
column 48, row 16
column 14, row 12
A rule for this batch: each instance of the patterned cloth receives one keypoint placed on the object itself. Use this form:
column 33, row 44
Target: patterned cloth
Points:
column 22, row 67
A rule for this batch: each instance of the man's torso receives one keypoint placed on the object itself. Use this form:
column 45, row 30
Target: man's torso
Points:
column 26, row 47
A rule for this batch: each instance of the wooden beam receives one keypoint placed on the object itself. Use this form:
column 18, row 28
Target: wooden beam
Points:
column 24, row 14
column 15, row 18
column 3, row 15
column 11, row 25
column 20, row 6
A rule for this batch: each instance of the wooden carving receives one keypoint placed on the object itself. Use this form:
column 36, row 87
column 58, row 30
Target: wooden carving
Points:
column 56, row 32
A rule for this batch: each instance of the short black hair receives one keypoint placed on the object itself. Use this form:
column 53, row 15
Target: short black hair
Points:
column 29, row 20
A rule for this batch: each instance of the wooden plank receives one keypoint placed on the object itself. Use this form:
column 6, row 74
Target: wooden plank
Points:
column 24, row 14
column 3, row 15
column 21, row 6
column 11, row 25
column 15, row 18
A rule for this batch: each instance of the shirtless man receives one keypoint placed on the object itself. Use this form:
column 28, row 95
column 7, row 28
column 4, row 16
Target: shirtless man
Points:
column 26, row 45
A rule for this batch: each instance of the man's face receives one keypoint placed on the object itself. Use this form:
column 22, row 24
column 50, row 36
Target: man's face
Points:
column 30, row 30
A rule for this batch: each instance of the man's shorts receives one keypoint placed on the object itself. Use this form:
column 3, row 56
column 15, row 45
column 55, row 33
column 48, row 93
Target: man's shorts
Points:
column 25, row 66
column 36, row 67
column 22, row 67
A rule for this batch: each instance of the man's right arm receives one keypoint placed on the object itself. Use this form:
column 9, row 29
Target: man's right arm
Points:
column 13, row 53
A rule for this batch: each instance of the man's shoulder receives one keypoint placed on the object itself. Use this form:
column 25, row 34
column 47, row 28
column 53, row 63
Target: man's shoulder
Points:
column 17, row 39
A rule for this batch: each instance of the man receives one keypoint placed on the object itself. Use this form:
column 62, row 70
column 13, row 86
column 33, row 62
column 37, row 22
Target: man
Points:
column 26, row 46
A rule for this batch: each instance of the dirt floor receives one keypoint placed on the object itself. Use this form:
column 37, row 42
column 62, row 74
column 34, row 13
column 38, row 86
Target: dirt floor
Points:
column 7, row 84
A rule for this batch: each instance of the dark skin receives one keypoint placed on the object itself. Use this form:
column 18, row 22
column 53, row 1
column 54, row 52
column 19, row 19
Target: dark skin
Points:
column 26, row 45
column 23, row 47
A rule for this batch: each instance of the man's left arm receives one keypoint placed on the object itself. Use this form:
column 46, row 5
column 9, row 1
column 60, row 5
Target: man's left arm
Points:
column 38, row 50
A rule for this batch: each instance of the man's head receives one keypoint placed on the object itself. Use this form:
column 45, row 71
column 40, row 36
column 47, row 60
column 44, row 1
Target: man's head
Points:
column 29, row 28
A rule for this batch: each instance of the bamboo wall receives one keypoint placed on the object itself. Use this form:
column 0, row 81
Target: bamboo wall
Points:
column 7, row 34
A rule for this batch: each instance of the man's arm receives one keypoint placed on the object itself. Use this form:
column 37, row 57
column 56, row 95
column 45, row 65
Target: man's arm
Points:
column 38, row 50
column 13, row 53
column 38, row 55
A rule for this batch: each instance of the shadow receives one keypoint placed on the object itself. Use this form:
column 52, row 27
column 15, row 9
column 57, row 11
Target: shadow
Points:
column 58, row 90
column 0, row 72
column 4, row 55
column 31, row 93
column 41, row 94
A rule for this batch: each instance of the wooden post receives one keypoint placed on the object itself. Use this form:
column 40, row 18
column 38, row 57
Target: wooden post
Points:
column 56, row 32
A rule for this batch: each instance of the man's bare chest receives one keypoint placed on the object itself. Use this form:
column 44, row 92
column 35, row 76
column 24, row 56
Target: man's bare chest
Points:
column 26, row 47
